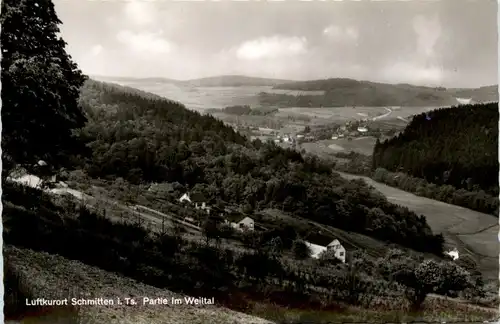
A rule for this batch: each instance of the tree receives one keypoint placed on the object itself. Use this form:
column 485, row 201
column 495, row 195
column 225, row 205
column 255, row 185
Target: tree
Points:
column 300, row 250
column 211, row 230
column 40, row 85
column 430, row 276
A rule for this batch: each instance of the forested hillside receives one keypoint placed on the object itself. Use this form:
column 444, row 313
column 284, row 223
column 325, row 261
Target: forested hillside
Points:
column 144, row 138
column 348, row 92
column 456, row 146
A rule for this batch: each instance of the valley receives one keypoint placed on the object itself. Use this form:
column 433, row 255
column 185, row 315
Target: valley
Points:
column 275, row 163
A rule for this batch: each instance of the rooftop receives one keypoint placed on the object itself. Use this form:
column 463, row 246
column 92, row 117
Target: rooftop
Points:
column 197, row 197
column 319, row 239
column 235, row 217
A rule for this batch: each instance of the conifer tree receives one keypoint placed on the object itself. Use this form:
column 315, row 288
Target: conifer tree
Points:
column 40, row 85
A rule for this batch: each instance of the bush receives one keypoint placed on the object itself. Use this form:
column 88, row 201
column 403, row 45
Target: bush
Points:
column 300, row 250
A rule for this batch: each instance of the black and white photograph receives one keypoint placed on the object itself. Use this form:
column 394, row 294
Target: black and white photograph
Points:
column 250, row 162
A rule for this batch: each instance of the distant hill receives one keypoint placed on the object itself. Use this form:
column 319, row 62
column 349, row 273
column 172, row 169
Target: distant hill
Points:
column 338, row 92
column 133, row 80
column 216, row 81
column 456, row 146
column 233, row 81
column 349, row 92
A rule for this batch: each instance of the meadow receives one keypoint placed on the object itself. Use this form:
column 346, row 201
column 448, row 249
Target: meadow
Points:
column 474, row 232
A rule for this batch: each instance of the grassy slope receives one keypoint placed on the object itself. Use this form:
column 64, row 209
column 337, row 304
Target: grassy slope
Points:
column 464, row 228
column 54, row 277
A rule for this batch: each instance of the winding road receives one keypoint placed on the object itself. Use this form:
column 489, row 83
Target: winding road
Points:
column 389, row 111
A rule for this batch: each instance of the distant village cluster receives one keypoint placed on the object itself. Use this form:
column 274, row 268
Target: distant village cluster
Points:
column 269, row 134
column 350, row 129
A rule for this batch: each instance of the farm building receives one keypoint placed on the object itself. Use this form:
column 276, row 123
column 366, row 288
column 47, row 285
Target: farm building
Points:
column 22, row 177
column 319, row 243
column 464, row 101
column 240, row 222
column 198, row 200
column 185, row 197
column 453, row 253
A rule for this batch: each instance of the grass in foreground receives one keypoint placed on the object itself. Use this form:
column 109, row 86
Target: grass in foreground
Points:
column 434, row 311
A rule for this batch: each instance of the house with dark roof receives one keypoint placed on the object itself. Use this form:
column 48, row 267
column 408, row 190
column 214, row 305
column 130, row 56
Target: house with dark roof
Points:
column 320, row 243
column 198, row 199
column 240, row 222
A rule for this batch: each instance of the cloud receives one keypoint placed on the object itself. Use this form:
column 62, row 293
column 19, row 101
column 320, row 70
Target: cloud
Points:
column 141, row 13
column 271, row 47
column 96, row 50
column 428, row 32
column 145, row 42
column 414, row 73
column 342, row 34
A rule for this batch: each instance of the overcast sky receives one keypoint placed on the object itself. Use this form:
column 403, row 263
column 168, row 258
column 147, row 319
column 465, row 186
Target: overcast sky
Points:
column 447, row 42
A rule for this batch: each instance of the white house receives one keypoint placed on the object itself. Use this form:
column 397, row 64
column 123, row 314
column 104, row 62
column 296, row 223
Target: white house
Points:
column 241, row 222
column 185, row 197
column 464, row 101
column 28, row 180
column 453, row 253
column 316, row 249
column 319, row 244
column 338, row 249
column 22, row 177
column 198, row 200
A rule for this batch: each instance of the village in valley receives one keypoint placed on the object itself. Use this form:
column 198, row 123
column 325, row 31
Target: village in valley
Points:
column 252, row 165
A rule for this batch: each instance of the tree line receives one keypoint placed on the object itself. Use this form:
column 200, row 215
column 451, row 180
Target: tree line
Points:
column 475, row 199
column 455, row 146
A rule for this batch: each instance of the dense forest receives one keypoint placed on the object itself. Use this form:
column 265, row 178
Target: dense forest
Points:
column 456, row 146
column 144, row 138
column 341, row 92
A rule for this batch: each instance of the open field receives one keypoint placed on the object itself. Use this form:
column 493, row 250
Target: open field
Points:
column 201, row 98
column 363, row 145
column 334, row 113
column 471, row 232
column 327, row 148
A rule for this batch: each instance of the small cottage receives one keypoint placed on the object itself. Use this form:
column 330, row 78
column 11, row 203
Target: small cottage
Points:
column 185, row 198
column 319, row 243
column 240, row 222
column 453, row 253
